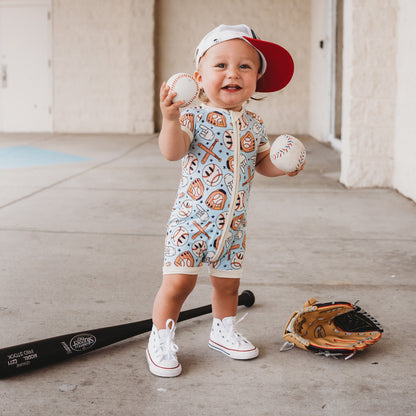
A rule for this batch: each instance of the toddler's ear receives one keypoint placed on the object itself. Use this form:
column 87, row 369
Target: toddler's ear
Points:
column 198, row 77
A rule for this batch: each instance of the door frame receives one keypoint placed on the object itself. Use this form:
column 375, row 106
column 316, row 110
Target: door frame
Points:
column 335, row 89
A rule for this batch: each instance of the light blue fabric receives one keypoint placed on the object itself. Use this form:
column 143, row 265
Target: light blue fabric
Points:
column 209, row 215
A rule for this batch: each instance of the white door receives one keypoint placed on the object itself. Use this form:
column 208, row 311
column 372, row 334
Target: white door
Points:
column 25, row 66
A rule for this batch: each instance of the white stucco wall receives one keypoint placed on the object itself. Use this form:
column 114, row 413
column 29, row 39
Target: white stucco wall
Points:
column 369, row 92
column 110, row 57
column 281, row 21
column 404, row 178
column 103, row 65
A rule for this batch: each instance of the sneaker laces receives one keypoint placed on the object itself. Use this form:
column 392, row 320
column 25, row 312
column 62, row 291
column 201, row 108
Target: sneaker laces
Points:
column 168, row 348
column 232, row 332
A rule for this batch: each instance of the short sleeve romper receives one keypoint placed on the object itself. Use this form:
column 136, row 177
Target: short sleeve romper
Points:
column 208, row 219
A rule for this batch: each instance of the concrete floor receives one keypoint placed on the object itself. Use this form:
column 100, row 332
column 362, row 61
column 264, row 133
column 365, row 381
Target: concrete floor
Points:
column 81, row 247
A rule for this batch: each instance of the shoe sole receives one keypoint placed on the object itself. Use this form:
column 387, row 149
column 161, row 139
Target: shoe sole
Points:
column 235, row 354
column 162, row 371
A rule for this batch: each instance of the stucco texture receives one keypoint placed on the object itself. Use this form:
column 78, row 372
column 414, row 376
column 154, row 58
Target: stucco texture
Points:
column 181, row 25
column 103, row 65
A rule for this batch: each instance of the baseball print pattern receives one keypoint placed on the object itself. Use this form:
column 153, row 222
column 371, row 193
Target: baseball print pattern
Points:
column 208, row 219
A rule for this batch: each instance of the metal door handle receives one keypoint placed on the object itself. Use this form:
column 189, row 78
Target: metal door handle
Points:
column 4, row 76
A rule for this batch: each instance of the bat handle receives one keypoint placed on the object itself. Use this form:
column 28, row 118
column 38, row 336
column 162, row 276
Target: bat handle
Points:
column 246, row 298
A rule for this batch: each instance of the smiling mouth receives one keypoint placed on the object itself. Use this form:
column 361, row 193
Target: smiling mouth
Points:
column 231, row 87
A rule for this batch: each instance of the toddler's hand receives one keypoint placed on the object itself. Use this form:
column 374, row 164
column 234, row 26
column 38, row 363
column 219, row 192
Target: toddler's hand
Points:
column 295, row 172
column 169, row 109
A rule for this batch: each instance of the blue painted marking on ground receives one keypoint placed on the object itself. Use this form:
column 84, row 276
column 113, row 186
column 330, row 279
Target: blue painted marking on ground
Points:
column 28, row 156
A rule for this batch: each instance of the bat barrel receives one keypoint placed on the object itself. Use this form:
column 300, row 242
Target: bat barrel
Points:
column 36, row 354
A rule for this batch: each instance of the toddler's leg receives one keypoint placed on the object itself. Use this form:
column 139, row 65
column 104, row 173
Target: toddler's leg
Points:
column 224, row 337
column 172, row 294
column 224, row 296
column 161, row 350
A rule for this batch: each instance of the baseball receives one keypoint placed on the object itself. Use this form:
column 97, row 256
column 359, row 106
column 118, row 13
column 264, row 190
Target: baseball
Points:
column 185, row 86
column 288, row 153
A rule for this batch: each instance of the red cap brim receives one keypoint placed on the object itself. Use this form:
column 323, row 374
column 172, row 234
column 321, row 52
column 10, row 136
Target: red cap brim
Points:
column 280, row 66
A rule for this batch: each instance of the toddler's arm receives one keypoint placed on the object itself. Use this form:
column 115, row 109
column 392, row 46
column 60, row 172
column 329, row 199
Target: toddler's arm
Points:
column 173, row 142
column 265, row 167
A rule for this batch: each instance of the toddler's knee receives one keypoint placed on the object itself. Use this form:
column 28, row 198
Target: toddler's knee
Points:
column 226, row 286
column 179, row 287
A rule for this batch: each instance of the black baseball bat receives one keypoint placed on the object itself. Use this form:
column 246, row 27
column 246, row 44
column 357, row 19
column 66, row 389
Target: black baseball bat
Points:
column 20, row 358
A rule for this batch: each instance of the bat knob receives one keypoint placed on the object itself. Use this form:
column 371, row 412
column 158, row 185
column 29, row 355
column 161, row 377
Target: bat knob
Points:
column 247, row 298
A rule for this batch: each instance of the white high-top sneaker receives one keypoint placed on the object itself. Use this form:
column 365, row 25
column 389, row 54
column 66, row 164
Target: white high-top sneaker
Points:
column 226, row 339
column 161, row 351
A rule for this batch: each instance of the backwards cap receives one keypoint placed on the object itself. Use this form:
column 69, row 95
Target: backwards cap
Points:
column 276, row 63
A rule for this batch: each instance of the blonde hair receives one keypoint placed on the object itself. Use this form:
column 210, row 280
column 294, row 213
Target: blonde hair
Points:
column 202, row 96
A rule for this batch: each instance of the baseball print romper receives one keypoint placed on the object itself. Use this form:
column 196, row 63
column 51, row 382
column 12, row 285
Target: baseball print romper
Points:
column 208, row 219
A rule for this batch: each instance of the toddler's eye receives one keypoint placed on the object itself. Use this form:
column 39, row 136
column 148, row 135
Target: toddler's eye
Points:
column 245, row 66
column 220, row 65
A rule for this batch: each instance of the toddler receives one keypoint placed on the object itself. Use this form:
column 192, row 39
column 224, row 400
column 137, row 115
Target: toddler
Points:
column 221, row 144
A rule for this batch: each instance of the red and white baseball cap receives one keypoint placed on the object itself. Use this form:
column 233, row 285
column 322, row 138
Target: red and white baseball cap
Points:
column 277, row 65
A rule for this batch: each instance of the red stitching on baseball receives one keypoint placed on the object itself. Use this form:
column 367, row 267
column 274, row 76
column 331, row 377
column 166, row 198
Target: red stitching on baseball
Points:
column 172, row 86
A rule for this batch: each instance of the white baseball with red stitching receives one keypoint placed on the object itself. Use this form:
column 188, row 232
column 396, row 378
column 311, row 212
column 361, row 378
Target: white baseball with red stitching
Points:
column 185, row 86
column 288, row 153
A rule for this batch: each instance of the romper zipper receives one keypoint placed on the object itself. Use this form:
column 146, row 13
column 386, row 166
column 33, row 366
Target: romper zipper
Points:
column 236, row 180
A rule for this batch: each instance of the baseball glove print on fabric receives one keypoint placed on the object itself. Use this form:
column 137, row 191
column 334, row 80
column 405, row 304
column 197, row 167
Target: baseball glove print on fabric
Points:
column 208, row 219
column 332, row 329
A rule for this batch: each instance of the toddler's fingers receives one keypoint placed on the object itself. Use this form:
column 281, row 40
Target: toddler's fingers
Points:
column 166, row 99
column 164, row 92
column 295, row 172
column 167, row 96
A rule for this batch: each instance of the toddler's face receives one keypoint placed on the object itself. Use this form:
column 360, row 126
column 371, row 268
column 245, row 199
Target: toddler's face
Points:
column 228, row 73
